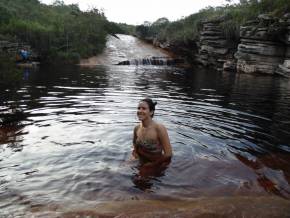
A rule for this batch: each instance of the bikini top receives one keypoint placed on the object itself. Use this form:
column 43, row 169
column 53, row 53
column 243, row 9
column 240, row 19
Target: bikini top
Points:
column 149, row 145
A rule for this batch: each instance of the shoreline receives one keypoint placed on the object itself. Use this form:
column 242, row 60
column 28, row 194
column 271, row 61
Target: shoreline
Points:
column 239, row 206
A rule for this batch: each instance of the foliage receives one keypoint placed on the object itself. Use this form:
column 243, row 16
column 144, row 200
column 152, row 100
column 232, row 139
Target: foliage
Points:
column 57, row 30
column 9, row 74
column 126, row 28
column 187, row 28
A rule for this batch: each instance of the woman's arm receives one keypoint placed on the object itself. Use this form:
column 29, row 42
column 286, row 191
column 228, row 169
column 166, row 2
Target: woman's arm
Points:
column 134, row 152
column 164, row 140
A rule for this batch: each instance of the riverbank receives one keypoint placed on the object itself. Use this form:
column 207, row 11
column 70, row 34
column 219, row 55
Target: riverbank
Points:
column 266, row 207
column 263, row 46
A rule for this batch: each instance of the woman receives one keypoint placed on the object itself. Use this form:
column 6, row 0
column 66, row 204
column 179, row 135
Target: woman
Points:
column 151, row 143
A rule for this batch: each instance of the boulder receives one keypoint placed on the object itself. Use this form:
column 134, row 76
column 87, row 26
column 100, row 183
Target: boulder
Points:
column 245, row 66
column 230, row 65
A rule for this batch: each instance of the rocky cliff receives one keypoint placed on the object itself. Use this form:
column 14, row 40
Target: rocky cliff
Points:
column 214, row 50
column 284, row 69
column 263, row 46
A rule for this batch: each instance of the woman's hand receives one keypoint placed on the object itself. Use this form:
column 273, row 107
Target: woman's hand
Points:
column 148, row 155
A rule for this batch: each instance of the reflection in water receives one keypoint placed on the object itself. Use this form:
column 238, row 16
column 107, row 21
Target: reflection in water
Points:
column 230, row 135
column 11, row 136
column 146, row 175
column 26, row 73
column 274, row 161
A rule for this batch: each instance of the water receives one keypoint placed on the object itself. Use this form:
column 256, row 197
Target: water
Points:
column 70, row 147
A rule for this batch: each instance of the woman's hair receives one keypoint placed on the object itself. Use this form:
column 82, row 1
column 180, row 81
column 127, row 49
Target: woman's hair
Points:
column 151, row 104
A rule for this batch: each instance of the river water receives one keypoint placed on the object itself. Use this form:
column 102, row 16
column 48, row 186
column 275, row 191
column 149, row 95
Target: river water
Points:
column 70, row 146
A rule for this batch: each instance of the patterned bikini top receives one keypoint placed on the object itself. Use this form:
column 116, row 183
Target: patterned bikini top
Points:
column 149, row 145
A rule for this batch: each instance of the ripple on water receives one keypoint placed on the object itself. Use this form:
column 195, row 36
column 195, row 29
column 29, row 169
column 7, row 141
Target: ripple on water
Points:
column 230, row 136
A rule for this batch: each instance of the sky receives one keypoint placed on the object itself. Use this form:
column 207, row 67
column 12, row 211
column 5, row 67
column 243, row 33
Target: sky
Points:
column 136, row 12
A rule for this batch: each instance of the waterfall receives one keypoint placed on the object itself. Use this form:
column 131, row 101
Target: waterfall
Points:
column 153, row 61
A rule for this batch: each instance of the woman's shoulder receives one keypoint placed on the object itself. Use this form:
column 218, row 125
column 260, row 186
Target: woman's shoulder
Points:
column 160, row 126
column 137, row 127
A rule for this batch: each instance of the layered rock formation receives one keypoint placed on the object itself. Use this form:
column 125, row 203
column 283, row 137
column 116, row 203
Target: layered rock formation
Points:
column 261, row 49
column 214, row 49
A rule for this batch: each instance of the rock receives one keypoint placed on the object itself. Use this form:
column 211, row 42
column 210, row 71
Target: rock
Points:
column 284, row 69
column 230, row 65
column 257, row 63
column 287, row 63
column 256, row 58
column 262, row 48
column 252, row 67
column 265, row 17
column 287, row 16
column 213, row 48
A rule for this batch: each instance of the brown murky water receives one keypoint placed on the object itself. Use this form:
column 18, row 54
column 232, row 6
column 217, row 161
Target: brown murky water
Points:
column 66, row 133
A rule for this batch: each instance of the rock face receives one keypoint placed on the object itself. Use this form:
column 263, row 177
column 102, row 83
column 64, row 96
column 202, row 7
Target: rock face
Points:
column 263, row 46
column 186, row 50
column 284, row 69
column 214, row 49
column 261, row 49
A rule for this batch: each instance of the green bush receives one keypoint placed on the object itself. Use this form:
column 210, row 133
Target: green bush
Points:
column 10, row 76
column 56, row 30
column 188, row 28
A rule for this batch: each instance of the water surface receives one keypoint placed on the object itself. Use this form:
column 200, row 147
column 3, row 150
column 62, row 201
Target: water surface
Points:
column 70, row 145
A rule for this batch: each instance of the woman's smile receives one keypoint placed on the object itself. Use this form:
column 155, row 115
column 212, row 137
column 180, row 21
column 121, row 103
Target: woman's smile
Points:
column 143, row 110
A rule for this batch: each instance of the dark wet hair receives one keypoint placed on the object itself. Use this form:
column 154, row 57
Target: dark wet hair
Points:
column 151, row 104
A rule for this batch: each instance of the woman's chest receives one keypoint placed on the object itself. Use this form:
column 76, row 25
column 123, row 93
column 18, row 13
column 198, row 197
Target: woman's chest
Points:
column 147, row 133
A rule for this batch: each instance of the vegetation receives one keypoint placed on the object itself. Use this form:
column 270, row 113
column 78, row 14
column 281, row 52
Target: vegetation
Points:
column 64, row 32
column 9, row 75
column 123, row 28
column 57, row 31
column 187, row 29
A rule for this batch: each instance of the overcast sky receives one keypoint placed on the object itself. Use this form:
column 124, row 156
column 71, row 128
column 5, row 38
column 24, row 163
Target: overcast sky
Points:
column 136, row 11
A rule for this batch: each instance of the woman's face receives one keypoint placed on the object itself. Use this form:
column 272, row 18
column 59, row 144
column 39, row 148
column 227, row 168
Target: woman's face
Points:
column 143, row 111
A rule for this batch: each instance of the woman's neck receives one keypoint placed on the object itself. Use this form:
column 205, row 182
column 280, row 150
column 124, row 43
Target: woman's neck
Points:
column 146, row 123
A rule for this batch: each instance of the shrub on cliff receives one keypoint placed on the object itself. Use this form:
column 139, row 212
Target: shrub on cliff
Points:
column 188, row 28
